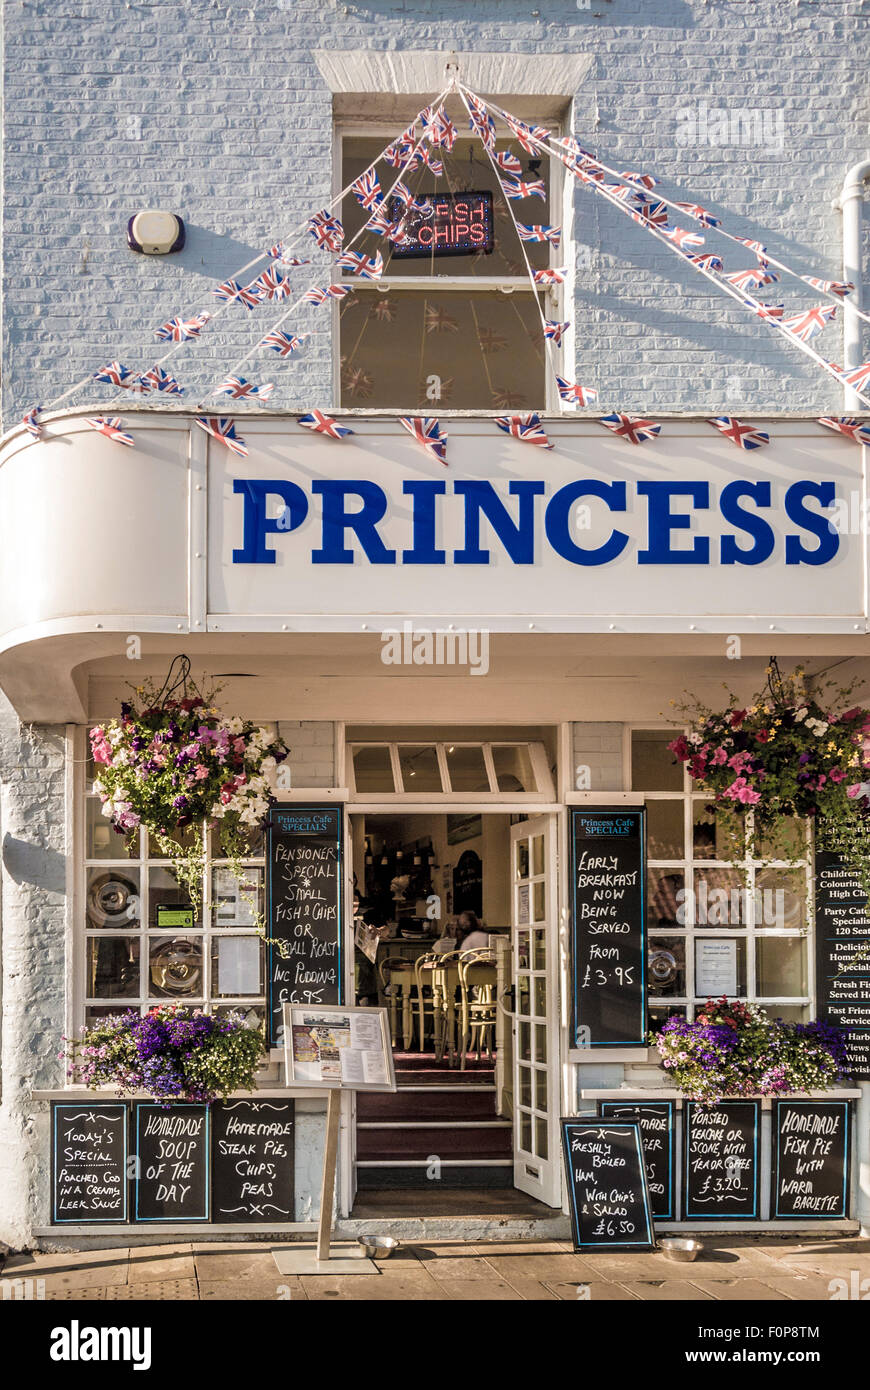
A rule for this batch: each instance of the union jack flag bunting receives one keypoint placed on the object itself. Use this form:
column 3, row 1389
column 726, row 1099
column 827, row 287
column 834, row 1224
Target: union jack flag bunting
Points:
column 744, row 436
column 424, row 156
column 529, row 136
column 366, row 267
column 442, row 131
column 182, row 330
column 31, row 422
column 649, row 211
column 635, row 431
column 278, row 252
column 765, row 311
column 508, row 163
column 536, row 189
column 573, row 391
column 483, row 125
column 756, row 277
column 853, row 429
column 324, row 424
column 242, row 390
column 116, row 374
column 706, row 262
column 231, row 291
column 755, row 246
column 399, row 152
column 219, row 427
column 555, row 331
column 538, row 233
column 550, row 275
column 427, row 431
column 326, row 230
column 367, row 189
column 700, row 214
column 379, row 223
column 618, row 190
column 525, row 427
column 283, row 343
column 270, row 285
column 159, row 380
column 680, row 237
column 319, row 295
column 806, row 325
column 111, row 427
column 645, row 180
column 841, row 288
column 857, row 377
column 403, row 193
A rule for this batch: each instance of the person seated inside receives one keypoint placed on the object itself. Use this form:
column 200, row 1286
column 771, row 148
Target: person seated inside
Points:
column 466, row 934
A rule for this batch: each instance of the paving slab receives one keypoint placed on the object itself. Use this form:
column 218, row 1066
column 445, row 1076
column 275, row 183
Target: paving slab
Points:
column 153, row 1290
column 596, row 1291
column 806, row 1287
column 753, row 1290
column 80, row 1269
column 445, row 1270
column 358, row 1288
column 532, row 1290
column 666, row 1291
column 248, row 1264
column 160, row 1262
column 712, row 1263
column 288, row 1290
column 545, row 1268
column 482, row 1291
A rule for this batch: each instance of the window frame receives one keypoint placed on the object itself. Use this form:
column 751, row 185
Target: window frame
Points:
column 543, row 795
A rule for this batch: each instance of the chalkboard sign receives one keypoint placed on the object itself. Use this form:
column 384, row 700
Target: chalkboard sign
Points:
column 88, row 1162
column 172, row 1146
column 657, row 1120
column 304, row 866
column 811, row 1159
column 842, row 981
column 610, row 1207
column 608, row 864
column 720, row 1167
column 252, row 1160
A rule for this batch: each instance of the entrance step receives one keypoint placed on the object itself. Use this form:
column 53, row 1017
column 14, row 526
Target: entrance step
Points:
column 425, row 1103
column 388, row 1143
column 394, row 1176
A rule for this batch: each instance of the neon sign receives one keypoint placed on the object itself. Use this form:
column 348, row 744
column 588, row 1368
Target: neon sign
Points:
column 445, row 224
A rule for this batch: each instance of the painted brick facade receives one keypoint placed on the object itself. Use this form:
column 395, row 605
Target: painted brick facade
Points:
column 312, row 751
column 598, row 748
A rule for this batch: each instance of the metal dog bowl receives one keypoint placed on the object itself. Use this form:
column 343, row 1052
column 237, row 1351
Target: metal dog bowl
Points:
column 680, row 1248
column 378, row 1247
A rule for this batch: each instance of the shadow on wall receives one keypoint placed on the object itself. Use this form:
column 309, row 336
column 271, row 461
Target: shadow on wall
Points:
column 34, row 864
column 213, row 254
column 660, row 14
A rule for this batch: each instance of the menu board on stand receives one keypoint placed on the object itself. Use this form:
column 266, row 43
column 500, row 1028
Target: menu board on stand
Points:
column 88, row 1162
column 810, row 1170
column 172, row 1144
column 607, row 1185
column 253, row 1160
column 720, row 1163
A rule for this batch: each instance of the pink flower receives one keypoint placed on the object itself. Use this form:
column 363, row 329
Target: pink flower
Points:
column 741, row 791
column 719, row 757
column 200, row 772
column 836, row 775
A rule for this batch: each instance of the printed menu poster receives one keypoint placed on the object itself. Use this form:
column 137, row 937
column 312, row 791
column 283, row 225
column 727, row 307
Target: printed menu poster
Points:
column 337, row 1047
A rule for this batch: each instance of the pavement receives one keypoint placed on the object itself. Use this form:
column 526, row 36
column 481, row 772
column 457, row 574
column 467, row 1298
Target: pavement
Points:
column 764, row 1268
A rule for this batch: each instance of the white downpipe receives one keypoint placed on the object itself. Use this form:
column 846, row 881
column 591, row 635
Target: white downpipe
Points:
column 849, row 203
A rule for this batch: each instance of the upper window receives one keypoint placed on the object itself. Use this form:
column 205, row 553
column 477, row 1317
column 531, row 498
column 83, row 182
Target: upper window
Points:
column 458, row 771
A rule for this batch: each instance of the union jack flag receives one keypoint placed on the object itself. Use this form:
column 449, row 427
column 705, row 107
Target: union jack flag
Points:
column 321, row 423
column 525, row 427
column 649, row 211
column 326, row 230
column 536, row 189
column 645, row 180
column 618, row 190
column 550, row 275
column 573, row 391
column 483, row 125
column 110, row 426
column 755, row 246
column 158, row 380
column 857, row 377
column 765, row 311
column 700, row 214
column 424, row 156
column 508, row 162
column 635, row 431
column 439, row 321
column 282, row 343
column 538, row 233
column 442, row 131
column 278, row 252
column 529, row 136
column 366, row 267
column 854, row 429
column 270, row 285
column 399, row 152
column 403, row 193
column 753, row 278
column 31, row 422
column 116, row 374
column 219, row 427
column 240, row 389
column 555, row 331
column 379, row 223
column 367, row 189
column 427, row 431
column 806, row 325
column 231, row 290
column 182, row 330
column 840, row 288
column 744, row 436
column 705, row 262
column 680, row 237
column 587, row 172
column 318, row 295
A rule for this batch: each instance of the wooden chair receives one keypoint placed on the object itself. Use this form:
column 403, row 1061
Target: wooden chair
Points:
column 439, row 971
column 397, row 981
column 477, row 986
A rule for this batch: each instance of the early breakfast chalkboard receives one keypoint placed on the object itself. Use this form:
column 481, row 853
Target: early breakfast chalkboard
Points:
column 607, row 1186
column 720, row 1164
column 658, row 1122
column 843, row 957
column 607, row 857
column 304, row 866
column 252, row 1160
column 173, row 1148
column 88, row 1162
column 811, row 1159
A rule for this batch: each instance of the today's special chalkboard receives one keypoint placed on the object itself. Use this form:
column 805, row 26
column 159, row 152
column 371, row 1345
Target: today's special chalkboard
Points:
column 173, row 1148
column 252, row 1160
column 657, row 1120
column 607, row 1184
column 608, row 863
column 810, row 1171
column 720, row 1164
column 843, row 957
column 304, row 866
column 88, row 1162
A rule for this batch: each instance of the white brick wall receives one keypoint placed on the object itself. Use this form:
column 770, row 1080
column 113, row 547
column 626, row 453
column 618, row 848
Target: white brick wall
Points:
column 312, row 751
column 599, row 747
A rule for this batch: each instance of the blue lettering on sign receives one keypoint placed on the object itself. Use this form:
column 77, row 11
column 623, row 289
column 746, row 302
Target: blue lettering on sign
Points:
column 351, row 512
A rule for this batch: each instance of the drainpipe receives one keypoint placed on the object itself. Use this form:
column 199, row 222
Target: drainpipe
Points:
column 849, row 203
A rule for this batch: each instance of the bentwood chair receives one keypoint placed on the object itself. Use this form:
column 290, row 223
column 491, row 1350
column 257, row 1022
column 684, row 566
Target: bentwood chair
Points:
column 477, row 1016
column 397, row 981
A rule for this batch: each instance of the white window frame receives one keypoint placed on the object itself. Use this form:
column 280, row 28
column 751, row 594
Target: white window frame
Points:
column 544, row 794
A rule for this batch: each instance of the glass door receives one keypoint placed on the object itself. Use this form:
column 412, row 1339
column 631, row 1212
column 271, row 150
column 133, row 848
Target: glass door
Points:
column 535, row 1026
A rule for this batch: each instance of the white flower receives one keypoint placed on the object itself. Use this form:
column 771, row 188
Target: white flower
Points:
column 234, row 726
column 801, row 713
column 108, row 808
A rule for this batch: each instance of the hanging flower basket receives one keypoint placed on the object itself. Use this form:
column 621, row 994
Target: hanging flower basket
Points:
column 172, row 762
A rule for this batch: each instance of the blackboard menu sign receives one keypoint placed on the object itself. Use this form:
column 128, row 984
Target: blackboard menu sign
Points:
column 172, row 1146
column 607, row 852
column 88, row 1162
column 811, row 1159
column 304, row 866
column 720, row 1168
column 252, row 1153
column 604, row 1165
column 657, row 1120
column 842, row 934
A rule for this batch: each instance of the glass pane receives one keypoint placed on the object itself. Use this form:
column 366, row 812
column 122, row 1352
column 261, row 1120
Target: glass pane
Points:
column 781, row 899
column 780, row 966
column 720, row 967
column 540, row 1042
column 112, row 898
column 236, row 902
column 539, row 901
column 169, row 904
column 537, row 854
column 254, row 1014
column 523, row 996
column 467, row 768
column 513, row 767
column 541, row 1091
column 524, row 1033
column 113, row 967
column 539, row 950
column 372, row 769
column 237, row 966
column 721, row 898
column 653, row 768
column 789, row 842
column 175, row 967
column 522, row 859
column 665, row 905
column 525, row 1075
column 709, row 839
column 525, row 1131
column 657, row 1017
column 666, row 967
column 541, row 1138
column 95, row 1012
column 188, row 837
column 790, row 1013
column 254, row 843
column 540, row 997
column 522, row 949
column 665, row 837
column 419, row 766
column 102, row 840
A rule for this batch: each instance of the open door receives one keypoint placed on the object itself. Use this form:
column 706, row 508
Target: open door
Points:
column 537, row 1164
column 353, row 826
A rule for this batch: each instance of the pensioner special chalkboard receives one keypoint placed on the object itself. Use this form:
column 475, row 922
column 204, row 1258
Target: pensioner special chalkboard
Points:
column 608, row 866
column 604, row 1165
column 657, row 1120
column 304, row 866
column 720, row 1167
column 88, row 1162
column 843, row 957
column 252, row 1160
column 172, row 1145
column 811, row 1159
